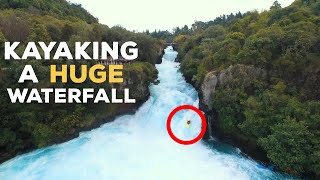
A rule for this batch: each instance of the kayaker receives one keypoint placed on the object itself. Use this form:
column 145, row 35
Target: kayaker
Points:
column 188, row 124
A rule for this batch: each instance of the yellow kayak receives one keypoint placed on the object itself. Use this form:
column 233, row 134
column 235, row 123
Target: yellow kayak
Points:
column 188, row 124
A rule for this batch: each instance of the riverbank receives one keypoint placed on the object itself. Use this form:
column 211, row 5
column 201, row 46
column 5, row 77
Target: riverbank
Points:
column 262, row 88
column 122, row 109
column 130, row 141
column 29, row 126
column 247, row 146
column 137, row 78
column 218, row 87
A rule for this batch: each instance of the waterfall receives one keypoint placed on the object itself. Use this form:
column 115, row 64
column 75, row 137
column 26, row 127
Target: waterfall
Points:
column 139, row 147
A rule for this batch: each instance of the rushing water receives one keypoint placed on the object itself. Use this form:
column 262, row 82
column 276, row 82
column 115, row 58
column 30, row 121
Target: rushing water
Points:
column 139, row 147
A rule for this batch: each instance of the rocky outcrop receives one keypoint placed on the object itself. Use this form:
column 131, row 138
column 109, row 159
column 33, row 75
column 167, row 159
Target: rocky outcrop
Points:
column 232, row 77
column 160, row 55
column 208, row 86
column 237, row 75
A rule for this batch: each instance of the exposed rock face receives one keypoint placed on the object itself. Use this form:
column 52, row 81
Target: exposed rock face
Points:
column 208, row 86
column 233, row 77
column 160, row 55
column 237, row 75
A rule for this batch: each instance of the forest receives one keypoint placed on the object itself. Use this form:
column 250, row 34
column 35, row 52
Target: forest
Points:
column 24, row 127
column 267, row 66
column 268, row 69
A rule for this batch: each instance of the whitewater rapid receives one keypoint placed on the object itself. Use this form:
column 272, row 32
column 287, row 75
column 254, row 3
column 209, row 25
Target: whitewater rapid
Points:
column 139, row 147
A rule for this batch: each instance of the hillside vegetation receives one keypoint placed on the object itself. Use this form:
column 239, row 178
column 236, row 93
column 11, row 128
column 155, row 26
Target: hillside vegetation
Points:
column 278, row 109
column 27, row 126
column 56, row 8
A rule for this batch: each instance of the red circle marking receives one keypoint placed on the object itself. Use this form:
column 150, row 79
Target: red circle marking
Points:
column 203, row 128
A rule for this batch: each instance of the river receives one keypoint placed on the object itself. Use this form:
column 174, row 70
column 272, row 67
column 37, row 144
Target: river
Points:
column 139, row 147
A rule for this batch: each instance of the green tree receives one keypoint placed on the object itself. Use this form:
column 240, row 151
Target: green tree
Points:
column 275, row 5
column 289, row 145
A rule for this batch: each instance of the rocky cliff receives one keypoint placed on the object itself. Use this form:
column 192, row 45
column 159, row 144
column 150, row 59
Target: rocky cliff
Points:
column 237, row 75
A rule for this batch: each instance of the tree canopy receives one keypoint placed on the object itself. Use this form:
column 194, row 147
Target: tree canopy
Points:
column 27, row 126
column 279, row 110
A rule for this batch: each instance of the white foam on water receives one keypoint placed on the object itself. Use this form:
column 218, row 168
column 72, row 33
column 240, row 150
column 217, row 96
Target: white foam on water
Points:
column 138, row 146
